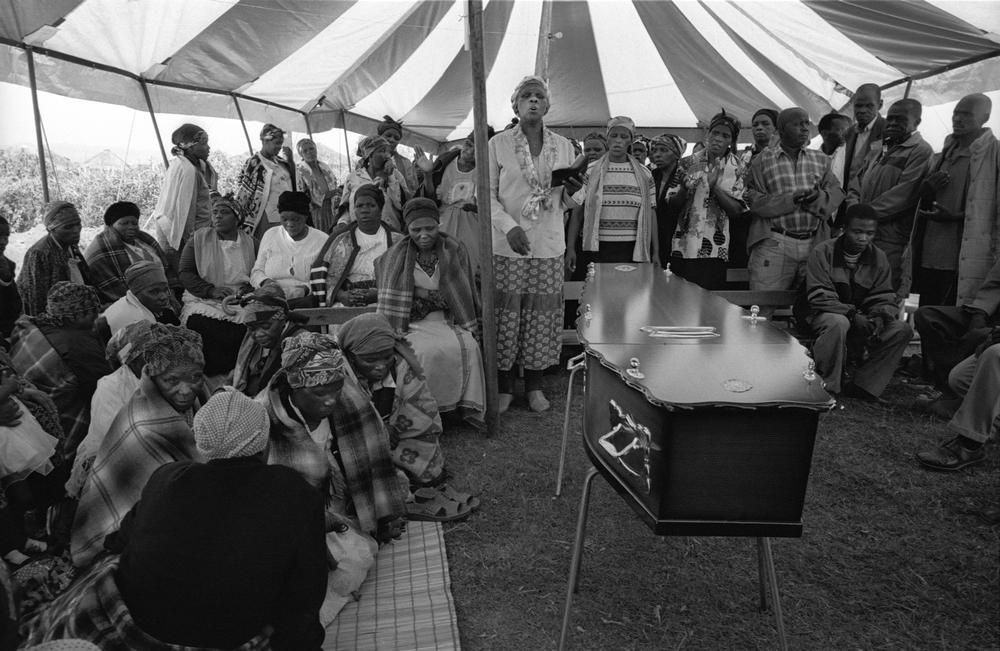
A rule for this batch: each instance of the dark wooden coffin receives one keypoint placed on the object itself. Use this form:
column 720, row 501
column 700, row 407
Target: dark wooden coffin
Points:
column 700, row 416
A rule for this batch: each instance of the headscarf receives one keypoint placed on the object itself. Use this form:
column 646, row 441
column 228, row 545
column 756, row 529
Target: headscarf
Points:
column 727, row 121
column 144, row 274
column 264, row 302
column 771, row 113
column 371, row 333
column 268, row 131
column 57, row 213
column 594, row 135
column 231, row 425
column 184, row 137
column 311, row 360
column 228, row 201
column 669, row 140
column 419, row 207
column 370, row 190
column 621, row 121
column 530, row 80
column 388, row 124
column 168, row 346
column 296, row 202
column 370, row 144
column 128, row 344
column 68, row 300
column 118, row 210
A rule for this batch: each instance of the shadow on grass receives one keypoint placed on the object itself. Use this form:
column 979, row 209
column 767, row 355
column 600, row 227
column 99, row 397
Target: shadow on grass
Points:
column 891, row 556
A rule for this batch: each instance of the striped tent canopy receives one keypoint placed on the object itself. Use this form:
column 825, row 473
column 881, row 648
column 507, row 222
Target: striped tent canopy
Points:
column 346, row 63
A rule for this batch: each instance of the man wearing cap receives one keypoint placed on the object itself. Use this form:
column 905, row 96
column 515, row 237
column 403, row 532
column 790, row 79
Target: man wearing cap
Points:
column 216, row 552
column 53, row 258
column 791, row 193
column 852, row 305
column 148, row 298
column 118, row 246
column 184, row 204
column 265, row 175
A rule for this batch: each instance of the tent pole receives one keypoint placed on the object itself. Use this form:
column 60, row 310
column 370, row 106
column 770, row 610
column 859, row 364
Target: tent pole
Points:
column 156, row 127
column 347, row 145
column 38, row 124
column 305, row 117
column 246, row 133
column 909, row 85
column 544, row 38
column 483, row 206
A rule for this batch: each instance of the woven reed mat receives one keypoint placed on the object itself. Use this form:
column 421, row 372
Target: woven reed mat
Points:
column 406, row 601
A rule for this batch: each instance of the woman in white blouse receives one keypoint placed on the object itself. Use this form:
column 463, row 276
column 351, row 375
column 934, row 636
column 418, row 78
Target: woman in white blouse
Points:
column 286, row 254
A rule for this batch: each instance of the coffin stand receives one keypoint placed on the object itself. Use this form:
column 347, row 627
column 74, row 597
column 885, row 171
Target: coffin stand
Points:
column 700, row 416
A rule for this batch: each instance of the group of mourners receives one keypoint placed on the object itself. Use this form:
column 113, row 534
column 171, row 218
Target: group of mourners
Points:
column 221, row 472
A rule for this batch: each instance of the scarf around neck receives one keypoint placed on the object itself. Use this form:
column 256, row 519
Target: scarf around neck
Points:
column 541, row 195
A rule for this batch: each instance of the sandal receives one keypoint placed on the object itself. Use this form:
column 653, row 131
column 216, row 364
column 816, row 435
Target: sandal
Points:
column 438, row 509
column 465, row 499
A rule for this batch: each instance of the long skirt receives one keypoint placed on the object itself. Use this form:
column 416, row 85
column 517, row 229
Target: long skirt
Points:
column 452, row 363
column 529, row 311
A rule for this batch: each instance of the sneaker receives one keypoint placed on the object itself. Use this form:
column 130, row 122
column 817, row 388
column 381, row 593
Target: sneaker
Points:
column 951, row 456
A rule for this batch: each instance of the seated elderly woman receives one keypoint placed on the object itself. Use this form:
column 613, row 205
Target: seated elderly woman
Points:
column 426, row 290
column 120, row 245
column 148, row 299
column 325, row 426
column 198, row 572
column 216, row 263
column 344, row 271
column 286, row 254
column 124, row 354
column 386, row 368
column 61, row 356
column 151, row 430
column 269, row 322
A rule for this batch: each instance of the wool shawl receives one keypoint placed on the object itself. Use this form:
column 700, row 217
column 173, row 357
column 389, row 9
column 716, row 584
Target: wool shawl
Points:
column 108, row 259
column 253, row 368
column 364, row 481
column 46, row 263
column 394, row 278
column 252, row 187
column 336, row 259
column 595, row 197
column 147, row 433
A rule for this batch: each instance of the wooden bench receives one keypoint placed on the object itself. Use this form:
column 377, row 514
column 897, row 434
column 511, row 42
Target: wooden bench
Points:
column 324, row 317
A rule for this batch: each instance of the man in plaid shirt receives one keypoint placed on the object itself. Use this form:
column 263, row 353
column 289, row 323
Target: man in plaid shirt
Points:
column 791, row 192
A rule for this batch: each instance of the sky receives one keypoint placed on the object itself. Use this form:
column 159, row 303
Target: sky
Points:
column 79, row 129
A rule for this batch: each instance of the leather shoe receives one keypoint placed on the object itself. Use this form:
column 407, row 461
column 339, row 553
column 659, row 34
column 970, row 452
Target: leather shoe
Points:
column 951, row 456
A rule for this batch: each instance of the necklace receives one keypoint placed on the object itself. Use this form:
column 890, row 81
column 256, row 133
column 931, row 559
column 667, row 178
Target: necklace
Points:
column 427, row 262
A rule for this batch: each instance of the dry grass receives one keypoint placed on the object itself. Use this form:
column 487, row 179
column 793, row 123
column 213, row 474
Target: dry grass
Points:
column 891, row 556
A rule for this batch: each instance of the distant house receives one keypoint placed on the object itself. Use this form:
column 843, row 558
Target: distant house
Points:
column 106, row 160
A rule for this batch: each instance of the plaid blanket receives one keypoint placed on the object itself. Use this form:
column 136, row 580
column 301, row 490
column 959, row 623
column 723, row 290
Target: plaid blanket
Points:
column 394, row 276
column 108, row 259
column 253, row 368
column 93, row 610
column 363, row 483
column 146, row 434
column 45, row 264
column 415, row 423
column 38, row 362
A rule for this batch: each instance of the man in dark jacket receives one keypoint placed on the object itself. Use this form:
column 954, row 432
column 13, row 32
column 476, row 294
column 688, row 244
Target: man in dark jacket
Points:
column 852, row 304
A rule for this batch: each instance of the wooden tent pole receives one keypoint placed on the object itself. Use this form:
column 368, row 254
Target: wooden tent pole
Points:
column 38, row 125
column 246, row 133
column 488, row 283
column 347, row 144
column 544, row 37
column 156, row 127
column 305, row 116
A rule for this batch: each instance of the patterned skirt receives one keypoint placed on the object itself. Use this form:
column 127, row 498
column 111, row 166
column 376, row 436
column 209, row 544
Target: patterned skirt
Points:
column 529, row 311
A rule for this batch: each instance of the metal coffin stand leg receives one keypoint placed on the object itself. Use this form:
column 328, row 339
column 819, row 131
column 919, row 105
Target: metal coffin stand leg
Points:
column 765, row 566
column 573, row 365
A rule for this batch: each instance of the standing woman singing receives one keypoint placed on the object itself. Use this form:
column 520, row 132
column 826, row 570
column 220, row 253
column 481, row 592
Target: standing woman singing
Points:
column 528, row 241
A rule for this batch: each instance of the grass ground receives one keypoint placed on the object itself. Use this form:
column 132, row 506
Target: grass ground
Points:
column 891, row 557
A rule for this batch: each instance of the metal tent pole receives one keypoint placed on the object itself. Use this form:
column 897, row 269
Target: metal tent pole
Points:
column 246, row 133
column 152, row 116
column 483, row 205
column 38, row 124
column 347, row 145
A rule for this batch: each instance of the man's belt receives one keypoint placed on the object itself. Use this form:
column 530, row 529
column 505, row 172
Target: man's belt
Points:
column 795, row 235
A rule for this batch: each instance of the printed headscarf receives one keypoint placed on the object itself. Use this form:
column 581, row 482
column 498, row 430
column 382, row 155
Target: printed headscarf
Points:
column 169, row 346
column 670, row 141
column 311, row 359
column 59, row 213
column 370, row 144
column 269, row 131
column 264, row 302
column 231, row 425
column 128, row 344
column 220, row 201
column 389, row 124
column 184, row 137
column 729, row 122
column 67, row 300
column 621, row 121
column 145, row 274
